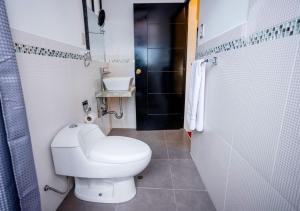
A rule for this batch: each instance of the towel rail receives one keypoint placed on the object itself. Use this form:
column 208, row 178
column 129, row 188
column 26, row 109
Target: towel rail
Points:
column 212, row 60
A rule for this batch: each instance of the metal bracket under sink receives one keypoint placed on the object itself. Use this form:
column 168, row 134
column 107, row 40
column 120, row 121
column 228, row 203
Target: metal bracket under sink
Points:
column 102, row 107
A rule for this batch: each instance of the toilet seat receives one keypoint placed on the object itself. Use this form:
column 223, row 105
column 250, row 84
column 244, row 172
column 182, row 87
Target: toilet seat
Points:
column 118, row 150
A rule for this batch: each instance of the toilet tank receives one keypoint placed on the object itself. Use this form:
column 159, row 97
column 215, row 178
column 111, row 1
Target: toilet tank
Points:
column 69, row 136
column 68, row 148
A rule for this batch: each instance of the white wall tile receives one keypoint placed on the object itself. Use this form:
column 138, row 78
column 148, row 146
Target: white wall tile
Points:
column 211, row 156
column 230, row 35
column 53, row 90
column 268, row 68
column 286, row 176
column 266, row 13
column 48, row 19
column 225, row 82
column 233, row 13
column 252, row 104
column 248, row 191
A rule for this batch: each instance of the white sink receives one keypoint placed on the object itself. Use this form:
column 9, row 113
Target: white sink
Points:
column 118, row 83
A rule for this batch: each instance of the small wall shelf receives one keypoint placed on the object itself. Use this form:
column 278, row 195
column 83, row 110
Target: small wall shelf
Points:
column 107, row 93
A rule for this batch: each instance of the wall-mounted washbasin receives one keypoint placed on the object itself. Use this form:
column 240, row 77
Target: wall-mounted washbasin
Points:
column 114, row 94
column 117, row 83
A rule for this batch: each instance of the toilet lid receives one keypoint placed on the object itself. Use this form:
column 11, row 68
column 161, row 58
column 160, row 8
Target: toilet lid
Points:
column 118, row 149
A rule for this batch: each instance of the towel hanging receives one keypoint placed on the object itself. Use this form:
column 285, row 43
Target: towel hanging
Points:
column 196, row 92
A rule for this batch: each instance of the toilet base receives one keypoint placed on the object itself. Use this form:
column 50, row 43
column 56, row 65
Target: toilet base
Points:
column 114, row 190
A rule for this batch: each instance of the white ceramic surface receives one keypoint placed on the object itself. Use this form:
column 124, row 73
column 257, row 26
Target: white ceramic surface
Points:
column 117, row 83
column 103, row 166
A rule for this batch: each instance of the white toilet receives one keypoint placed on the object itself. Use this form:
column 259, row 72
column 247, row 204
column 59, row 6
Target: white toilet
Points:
column 103, row 166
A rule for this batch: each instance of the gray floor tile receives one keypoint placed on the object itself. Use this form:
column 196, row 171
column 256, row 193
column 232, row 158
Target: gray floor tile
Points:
column 193, row 201
column 156, row 135
column 178, row 144
column 71, row 203
column 155, row 140
column 177, row 136
column 159, row 149
column 185, row 175
column 156, row 175
column 150, row 200
column 178, row 151
column 123, row 132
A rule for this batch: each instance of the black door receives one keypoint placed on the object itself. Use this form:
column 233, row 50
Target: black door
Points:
column 160, row 32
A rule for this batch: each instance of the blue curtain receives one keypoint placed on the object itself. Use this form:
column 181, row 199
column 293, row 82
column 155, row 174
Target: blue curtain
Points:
column 18, row 181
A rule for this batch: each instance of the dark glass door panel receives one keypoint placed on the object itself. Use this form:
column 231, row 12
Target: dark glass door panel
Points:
column 165, row 82
column 166, row 13
column 160, row 61
column 166, row 104
column 166, row 59
column 160, row 35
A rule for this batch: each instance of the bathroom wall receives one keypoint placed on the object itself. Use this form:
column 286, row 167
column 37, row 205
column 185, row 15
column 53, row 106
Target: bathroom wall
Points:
column 219, row 16
column 53, row 86
column 48, row 19
column 119, row 46
column 249, row 153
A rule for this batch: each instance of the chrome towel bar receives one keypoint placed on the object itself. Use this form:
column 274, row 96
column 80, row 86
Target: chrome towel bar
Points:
column 212, row 60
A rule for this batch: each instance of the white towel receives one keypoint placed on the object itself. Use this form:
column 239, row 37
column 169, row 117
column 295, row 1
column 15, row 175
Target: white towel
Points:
column 195, row 101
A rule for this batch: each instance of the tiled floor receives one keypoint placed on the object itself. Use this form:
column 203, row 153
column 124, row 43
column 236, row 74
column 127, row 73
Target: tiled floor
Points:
column 170, row 182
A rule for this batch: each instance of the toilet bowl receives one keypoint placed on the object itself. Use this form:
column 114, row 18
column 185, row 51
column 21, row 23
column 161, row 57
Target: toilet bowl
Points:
column 103, row 166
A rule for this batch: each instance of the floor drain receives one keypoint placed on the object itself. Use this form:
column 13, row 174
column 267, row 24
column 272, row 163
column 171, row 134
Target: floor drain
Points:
column 140, row 177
